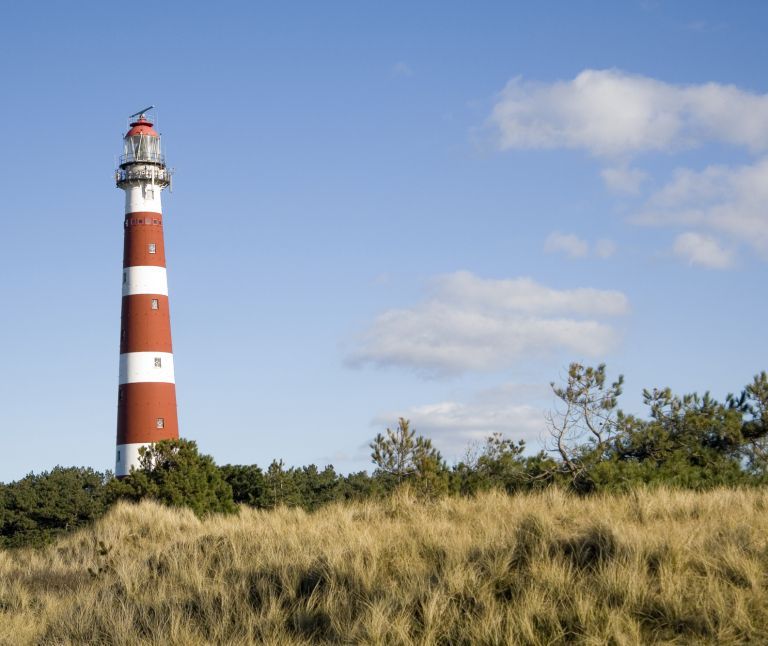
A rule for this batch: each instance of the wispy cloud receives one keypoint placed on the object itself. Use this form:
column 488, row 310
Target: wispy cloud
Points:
column 699, row 249
column 727, row 200
column 622, row 179
column 614, row 114
column 704, row 27
column 469, row 323
column 605, row 248
column 401, row 68
column 575, row 247
column 568, row 243
column 514, row 410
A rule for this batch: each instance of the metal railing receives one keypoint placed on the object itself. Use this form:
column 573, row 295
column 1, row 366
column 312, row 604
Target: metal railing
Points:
column 140, row 157
column 156, row 174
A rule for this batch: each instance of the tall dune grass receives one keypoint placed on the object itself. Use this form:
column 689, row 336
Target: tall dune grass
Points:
column 548, row 568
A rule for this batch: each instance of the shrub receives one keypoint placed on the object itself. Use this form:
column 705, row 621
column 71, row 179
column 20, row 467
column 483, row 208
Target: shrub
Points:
column 176, row 474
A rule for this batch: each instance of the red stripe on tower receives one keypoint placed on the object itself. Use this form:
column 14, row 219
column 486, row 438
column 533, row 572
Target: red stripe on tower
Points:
column 146, row 406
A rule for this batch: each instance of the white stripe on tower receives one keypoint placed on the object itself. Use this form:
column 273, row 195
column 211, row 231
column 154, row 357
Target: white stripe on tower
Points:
column 127, row 457
column 146, row 367
column 142, row 198
column 145, row 280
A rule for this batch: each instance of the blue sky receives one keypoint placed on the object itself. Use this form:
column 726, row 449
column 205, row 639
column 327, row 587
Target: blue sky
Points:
column 381, row 209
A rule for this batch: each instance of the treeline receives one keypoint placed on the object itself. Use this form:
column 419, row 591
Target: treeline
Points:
column 688, row 441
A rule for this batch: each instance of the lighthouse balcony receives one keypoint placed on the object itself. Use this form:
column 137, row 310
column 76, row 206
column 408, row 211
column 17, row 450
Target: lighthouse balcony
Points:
column 142, row 156
column 141, row 173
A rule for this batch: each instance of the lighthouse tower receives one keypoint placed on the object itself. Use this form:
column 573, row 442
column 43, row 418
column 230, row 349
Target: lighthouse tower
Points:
column 146, row 401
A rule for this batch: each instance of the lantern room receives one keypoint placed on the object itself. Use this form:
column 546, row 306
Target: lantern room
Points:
column 141, row 144
column 142, row 158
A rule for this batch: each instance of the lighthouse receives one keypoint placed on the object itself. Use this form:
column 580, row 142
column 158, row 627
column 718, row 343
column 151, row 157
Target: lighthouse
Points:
column 146, row 400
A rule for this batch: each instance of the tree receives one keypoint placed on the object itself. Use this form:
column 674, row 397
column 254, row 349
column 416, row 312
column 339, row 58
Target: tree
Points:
column 584, row 422
column 248, row 484
column 281, row 487
column 317, row 488
column 37, row 508
column 496, row 465
column 402, row 456
column 753, row 405
column 175, row 473
column 359, row 486
column 690, row 441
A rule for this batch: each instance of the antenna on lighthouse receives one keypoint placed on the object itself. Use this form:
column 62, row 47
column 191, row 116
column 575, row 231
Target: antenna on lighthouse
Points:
column 141, row 112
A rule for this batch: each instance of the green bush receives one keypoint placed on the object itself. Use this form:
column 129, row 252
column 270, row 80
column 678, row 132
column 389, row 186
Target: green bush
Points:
column 175, row 473
column 36, row 508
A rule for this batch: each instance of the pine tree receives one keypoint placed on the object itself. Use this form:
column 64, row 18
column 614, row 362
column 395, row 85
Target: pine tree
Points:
column 404, row 457
column 176, row 473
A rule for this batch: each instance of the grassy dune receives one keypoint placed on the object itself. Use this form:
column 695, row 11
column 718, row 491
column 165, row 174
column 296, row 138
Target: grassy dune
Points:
column 653, row 567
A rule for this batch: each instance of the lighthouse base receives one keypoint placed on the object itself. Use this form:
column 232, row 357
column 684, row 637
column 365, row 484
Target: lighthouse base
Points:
column 127, row 456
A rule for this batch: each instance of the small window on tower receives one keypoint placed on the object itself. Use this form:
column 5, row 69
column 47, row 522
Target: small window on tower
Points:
column 158, row 362
column 152, row 247
column 155, row 221
column 118, row 456
column 122, row 334
column 125, row 277
column 160, row 423
column 151, row 193
column 120, row 395
column 155, row 304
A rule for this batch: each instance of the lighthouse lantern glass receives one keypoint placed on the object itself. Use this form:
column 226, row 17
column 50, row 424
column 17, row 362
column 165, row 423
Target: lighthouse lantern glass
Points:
column 142, row 148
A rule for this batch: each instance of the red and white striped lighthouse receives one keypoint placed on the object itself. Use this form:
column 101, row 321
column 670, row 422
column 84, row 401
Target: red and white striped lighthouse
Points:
column 146, row 407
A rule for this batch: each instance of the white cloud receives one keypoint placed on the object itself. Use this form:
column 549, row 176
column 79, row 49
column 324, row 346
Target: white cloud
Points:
column 702, row 250
column 453, row 425
column 623, row 179
column 568, row 243
column 526, row 296
column 401, row 68
column 574, row 247
column 470, row 323
column 612, row 113
column 728, row 200
column 605, row 248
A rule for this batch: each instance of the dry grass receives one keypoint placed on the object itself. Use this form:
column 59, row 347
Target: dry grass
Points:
column 651, row 567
